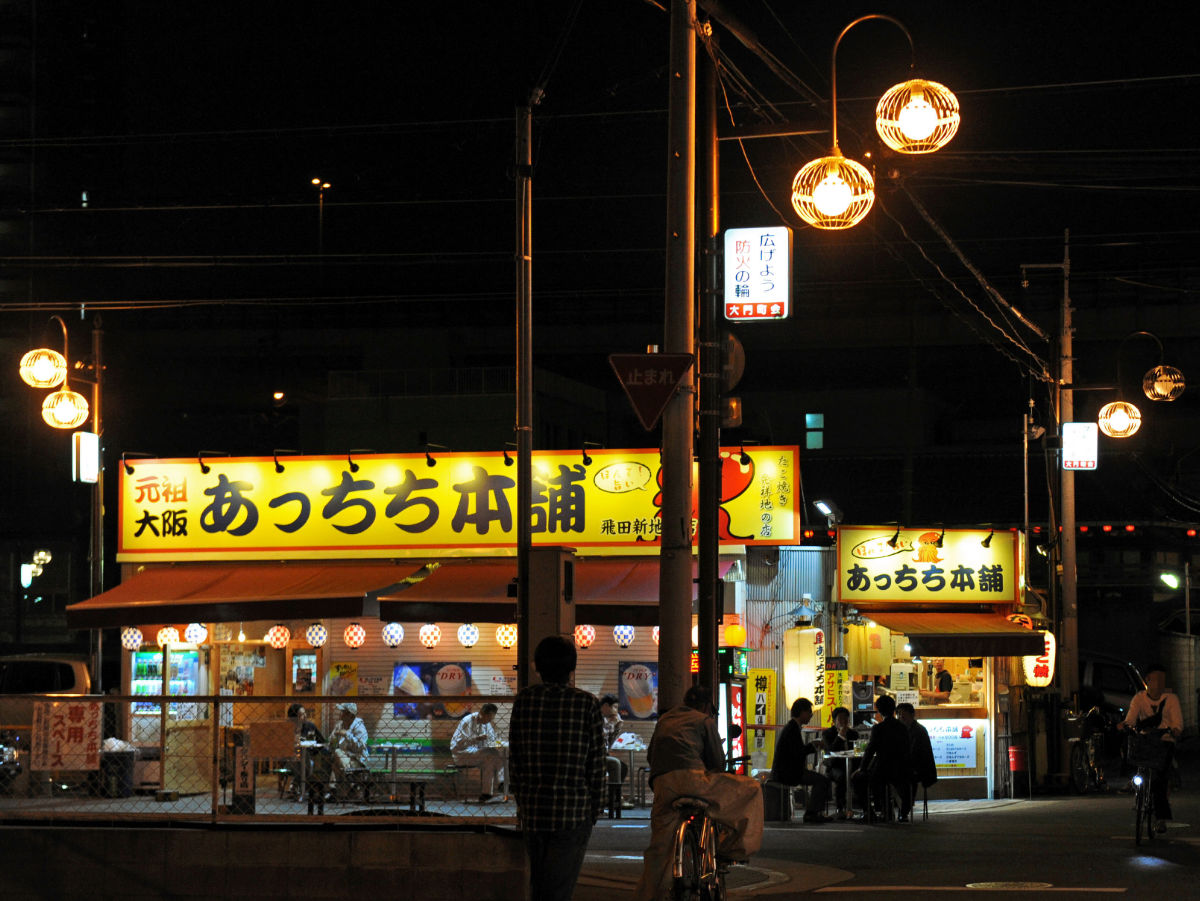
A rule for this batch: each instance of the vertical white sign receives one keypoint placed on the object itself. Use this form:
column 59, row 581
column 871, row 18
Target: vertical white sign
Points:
column 1080, row 445
column 758, row 273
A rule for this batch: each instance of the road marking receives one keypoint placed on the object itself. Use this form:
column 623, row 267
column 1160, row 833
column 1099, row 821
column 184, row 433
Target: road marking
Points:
column 995, row 887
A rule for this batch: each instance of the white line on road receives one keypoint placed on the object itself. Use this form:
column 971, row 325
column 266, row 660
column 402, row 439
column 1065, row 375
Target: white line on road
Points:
column 962, row 888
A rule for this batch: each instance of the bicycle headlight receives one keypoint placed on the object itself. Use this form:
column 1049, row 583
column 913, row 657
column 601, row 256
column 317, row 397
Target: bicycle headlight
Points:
column 1137, row 779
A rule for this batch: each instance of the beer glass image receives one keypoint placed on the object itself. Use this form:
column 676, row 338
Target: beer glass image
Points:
column 641, row 690
column 452, row 679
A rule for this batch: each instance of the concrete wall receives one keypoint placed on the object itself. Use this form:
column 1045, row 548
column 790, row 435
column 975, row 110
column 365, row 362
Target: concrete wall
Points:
column 323, row 862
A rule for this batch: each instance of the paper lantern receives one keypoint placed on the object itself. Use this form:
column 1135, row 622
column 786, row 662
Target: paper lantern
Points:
column 278, row 636
column 195, row 633
column 506, row 636
column 354, row 636
column 316, row 635
column 1039, row 668
column 654, row 633
column 43, row 368
column 131, row 638
column 735, row 635
column 623, row 636
column 168, row 635
column 430, row 635
column 1120, row 419
column 65, row 409
column 584, row 636
column 918, row 116
column 468, row 634
column 393, row 634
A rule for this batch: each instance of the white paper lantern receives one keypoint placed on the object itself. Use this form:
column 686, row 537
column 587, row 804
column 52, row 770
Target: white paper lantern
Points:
column 168, row 635
column 623, row 636
column 468, row 634
column 195, row 633
column 131, row 638
column 393, row 634
column 430, row 635
column 316, row 635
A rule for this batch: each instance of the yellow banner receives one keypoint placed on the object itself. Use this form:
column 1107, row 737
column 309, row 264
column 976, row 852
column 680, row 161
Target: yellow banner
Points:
column 760, row 711
column 385, row 505
column 879, row 563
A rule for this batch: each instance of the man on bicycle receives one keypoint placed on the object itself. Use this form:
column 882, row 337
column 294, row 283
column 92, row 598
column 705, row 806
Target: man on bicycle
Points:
column 1157, row 708
column 686, row 760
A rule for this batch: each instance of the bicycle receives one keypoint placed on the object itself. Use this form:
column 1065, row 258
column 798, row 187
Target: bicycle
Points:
column 697, row 873
column 1147, row 752
column 1086, row 769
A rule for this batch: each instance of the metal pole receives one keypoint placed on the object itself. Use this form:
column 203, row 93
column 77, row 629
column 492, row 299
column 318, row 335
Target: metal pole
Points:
column 708, row 162
column 675, row 560
column 524, row 419
column 96, row 555
column 1068, row 667
column 1187, row 598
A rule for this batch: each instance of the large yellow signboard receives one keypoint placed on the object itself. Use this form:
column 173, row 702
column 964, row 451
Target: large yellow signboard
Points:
column 881, row 563
column 387, row 505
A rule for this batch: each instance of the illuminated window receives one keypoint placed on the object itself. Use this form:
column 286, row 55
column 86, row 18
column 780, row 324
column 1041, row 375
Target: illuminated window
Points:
column 814, row 431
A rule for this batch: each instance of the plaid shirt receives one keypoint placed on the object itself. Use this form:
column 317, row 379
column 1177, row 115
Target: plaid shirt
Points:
column 556, row 757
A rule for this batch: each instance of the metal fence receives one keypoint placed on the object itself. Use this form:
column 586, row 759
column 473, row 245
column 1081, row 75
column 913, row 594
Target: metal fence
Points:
column 228, row 758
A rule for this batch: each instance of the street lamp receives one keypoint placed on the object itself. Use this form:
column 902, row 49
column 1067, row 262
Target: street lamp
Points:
column 1172, row 581
column 67, row 409
column 1121, row 419
column 321, row 185
column 917, row 116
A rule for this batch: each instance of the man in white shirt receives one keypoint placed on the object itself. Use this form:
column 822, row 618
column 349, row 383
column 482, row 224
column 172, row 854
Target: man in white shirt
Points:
column 1157, row 708
column 475, row 744
column 348, row 741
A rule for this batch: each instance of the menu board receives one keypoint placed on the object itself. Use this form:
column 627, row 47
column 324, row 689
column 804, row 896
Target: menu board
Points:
column 954, row 741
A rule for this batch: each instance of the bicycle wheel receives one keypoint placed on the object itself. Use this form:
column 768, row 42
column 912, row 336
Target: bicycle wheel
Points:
column 1141, row 810
column 1079, row 768
column 1148, row 806
column 687, row 886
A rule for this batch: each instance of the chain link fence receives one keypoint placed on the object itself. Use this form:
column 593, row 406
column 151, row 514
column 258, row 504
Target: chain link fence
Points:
column 227, row 757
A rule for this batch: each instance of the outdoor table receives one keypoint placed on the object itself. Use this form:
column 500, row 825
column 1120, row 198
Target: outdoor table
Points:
column 629, row 749
column 849, row 757
column 306, row 749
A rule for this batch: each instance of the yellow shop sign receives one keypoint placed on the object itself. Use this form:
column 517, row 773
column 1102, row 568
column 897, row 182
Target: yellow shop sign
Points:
column 395, row 505
column 966, row 566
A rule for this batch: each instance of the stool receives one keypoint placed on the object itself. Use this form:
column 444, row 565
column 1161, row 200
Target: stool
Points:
column 924, row 801
column 777, row 802
column 614, row 800
column 639, row 786
column 461, row 769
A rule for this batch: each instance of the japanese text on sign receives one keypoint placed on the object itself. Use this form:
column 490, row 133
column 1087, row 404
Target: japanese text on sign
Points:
column 758, row 273
column 921, row 566
column 319, row 507
column 66, row 735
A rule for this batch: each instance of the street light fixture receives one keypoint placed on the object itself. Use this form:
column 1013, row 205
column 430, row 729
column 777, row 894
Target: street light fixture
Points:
column 1121, row 419
column 46, row 368
column 917, row 116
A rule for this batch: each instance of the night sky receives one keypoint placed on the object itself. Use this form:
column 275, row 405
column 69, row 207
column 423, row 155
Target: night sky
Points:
column 195, row 130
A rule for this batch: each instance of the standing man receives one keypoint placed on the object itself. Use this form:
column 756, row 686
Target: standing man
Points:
column 920, row 748
column 475, row 744
column 943, row 683
column 791, row 758
column 556, row 766
column 686, row 760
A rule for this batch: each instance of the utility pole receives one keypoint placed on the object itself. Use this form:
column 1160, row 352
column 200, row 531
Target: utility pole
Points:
column 96, row 551
column 675, row 547
column 524, row 418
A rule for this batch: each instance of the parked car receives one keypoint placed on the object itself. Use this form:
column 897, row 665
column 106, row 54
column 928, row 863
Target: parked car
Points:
column 31, row 674
column 1108, row 682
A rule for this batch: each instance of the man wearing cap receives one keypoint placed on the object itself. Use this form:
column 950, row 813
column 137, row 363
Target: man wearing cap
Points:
column 475, row 744
column 348, row 741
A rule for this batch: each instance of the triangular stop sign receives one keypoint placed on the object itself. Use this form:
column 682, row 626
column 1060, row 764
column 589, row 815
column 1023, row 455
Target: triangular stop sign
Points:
column 650, row 381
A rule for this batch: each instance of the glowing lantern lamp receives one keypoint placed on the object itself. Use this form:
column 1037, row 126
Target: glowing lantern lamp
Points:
column 1039, row 668
column 917, row 116
column 278, row 636
column 430, row 635
column 316, row 635
column 168, row 635
column 1120, row 419
column 393, row 634
column 65, row 409
column 354, row 636
column 735, row 635
column 506, row 636
column 654, row 633
column 195, row 633
column 1163, row 383
column 468, row 635
column 833, row 192
column 43, row 368
column 584, row 636
column 131, row 638
column 623, row 636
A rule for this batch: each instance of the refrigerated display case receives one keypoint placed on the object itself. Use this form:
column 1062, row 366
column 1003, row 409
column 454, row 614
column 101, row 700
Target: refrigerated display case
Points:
column 183, row 681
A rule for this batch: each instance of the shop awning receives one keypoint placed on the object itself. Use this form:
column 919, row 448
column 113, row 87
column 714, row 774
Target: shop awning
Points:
column 962, row 634
column 607, row 591
column 208, row 592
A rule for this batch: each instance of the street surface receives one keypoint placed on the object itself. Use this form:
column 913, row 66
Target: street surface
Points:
column 1065, row 845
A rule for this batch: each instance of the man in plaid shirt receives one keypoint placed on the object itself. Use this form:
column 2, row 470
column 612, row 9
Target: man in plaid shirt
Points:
column 556, row 764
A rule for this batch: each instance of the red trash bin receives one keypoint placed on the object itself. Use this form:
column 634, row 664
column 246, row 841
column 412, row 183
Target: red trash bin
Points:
column 1016, row 759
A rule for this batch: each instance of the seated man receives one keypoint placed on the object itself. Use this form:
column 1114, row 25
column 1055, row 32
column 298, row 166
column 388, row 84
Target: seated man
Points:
column 886, row 760
column 686, row 760
column 840, row 737
column 616, row 769
column 306, row 730
column 348, row 742
column 791, row 759
column 920, row 749
column 475, row 744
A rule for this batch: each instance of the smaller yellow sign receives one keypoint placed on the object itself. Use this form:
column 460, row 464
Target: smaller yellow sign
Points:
column 760, row 711
column 920, row 566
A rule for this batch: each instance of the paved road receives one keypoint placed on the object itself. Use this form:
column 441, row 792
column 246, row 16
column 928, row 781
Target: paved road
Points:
column 1065, row 845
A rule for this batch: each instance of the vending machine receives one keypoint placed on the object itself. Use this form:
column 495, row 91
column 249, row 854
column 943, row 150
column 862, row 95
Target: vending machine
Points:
column 732, row 666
